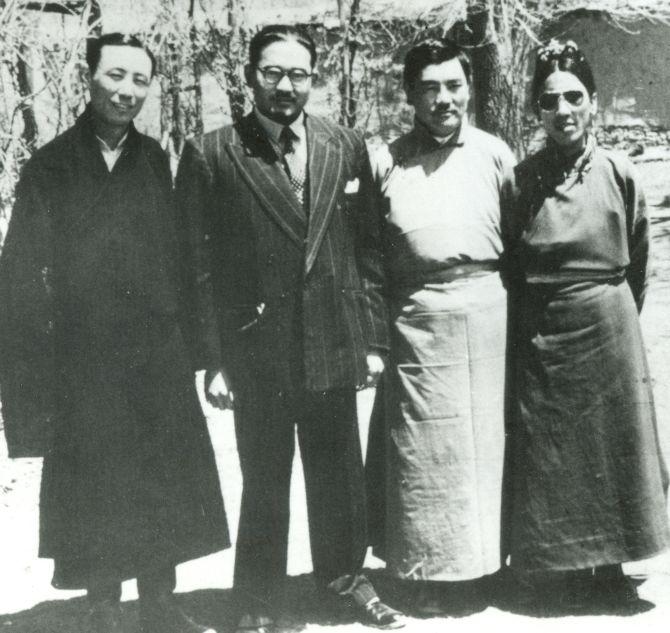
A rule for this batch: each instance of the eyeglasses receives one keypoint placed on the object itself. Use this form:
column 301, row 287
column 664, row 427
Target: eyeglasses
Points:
column 274, row 74
column 548, row 101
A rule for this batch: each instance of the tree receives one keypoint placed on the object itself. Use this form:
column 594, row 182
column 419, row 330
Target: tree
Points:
column 234, row 44
column 348, row 14
column 502, row 34
column 33, row 72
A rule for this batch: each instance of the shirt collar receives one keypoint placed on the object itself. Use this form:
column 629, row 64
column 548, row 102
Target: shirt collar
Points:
column 106, row 148
column 456, row 139
column 273, row 129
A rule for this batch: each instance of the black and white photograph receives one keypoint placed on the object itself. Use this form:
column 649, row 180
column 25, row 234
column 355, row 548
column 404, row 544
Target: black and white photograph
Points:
column 334, row 315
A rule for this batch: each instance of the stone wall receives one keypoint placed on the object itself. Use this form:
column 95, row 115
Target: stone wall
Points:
column 633, row 139
column 631, row 68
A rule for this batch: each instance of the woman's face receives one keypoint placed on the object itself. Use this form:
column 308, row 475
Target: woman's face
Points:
column 566, row 110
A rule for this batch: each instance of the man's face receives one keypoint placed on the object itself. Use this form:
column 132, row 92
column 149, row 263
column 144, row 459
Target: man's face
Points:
column 282, row 101
column 120, row 84
column 440, row 96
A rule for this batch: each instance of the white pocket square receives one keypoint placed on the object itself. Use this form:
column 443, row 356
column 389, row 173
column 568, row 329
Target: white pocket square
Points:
column 352, row 186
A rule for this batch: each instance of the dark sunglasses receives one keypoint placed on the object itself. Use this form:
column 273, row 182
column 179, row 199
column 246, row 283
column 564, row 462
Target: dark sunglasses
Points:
column 548, row 101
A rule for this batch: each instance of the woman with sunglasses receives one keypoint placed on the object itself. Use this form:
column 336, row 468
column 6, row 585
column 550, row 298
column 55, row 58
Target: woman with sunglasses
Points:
column 588, row 477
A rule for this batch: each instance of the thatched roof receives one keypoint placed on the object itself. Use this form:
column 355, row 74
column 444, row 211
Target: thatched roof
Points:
column 263, row 11
column 135, row 14
column 620, row 11
column 258, row 12
column 446, row 11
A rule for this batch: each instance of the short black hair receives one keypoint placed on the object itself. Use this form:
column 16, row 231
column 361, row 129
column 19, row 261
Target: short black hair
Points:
column 94, row 48
column 433, row 51
column 567, row 57
column 280, row 33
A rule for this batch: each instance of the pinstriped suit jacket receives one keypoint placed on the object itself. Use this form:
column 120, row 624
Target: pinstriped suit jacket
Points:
column 285, row 289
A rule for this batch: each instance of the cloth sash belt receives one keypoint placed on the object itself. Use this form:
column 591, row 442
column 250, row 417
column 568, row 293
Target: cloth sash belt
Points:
column 576, row 275
column 443, row 275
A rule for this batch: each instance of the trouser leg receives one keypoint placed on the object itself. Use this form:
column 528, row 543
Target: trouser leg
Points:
column 104, row 585
column 335, row 489
column 265, row 441
column 104, row 592
column 159, row 607
column 158, row 581
column 104, row 596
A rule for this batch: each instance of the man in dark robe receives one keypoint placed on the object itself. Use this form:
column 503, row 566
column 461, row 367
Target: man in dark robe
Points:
column 97, row 343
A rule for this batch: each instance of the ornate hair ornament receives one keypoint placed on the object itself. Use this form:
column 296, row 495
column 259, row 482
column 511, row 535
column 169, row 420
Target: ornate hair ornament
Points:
column 554, row 49
column 431, row 42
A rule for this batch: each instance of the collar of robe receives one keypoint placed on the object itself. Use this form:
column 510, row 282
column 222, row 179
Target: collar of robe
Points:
column 564, row 168
column 428, row 140
column 86, row 125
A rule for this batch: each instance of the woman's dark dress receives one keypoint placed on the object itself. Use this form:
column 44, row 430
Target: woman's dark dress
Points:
column 589, row 481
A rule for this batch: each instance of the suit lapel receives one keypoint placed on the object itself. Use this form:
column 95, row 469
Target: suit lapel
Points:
column 325, row 172
column 263, row 173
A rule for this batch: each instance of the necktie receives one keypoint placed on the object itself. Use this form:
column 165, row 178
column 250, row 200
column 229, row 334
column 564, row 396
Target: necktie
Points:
column 295, row 168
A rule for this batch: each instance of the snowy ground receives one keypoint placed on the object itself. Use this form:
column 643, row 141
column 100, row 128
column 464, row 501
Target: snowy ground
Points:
column 28, row 604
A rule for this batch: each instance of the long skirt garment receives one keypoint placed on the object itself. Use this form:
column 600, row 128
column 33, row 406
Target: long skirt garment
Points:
column 588, row 477
column 445, row 430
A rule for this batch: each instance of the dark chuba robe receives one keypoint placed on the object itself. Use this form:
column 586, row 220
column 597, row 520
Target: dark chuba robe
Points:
column 97, row 344
column 589, row 481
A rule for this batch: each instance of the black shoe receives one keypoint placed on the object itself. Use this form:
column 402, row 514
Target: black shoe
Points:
column 455, row 599
column 380, row 615
column 614, row 592
column 354, row 597
column 545, row 594
column 345, row 610
column 428, row 600
column 162, row 614
column 104, row 617
column 255, row 623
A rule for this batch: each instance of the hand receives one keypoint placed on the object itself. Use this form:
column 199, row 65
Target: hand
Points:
column 216, row 390
column 376, row 366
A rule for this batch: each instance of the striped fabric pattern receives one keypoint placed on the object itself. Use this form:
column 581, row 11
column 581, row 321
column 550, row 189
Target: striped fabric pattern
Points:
column 295, row 169
column 324, row 266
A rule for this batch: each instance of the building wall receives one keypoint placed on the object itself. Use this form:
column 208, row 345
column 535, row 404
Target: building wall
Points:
column 632, row 69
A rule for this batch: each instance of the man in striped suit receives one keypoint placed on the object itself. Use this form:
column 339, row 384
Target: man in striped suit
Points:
column 293, row 264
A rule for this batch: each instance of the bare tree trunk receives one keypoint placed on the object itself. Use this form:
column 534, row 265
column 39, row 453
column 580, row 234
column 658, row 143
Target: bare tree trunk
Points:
column 498, row 84
column 234, row 55
column 348, row 19
column 24, row 82
column 197, row 71
column 485, row 70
